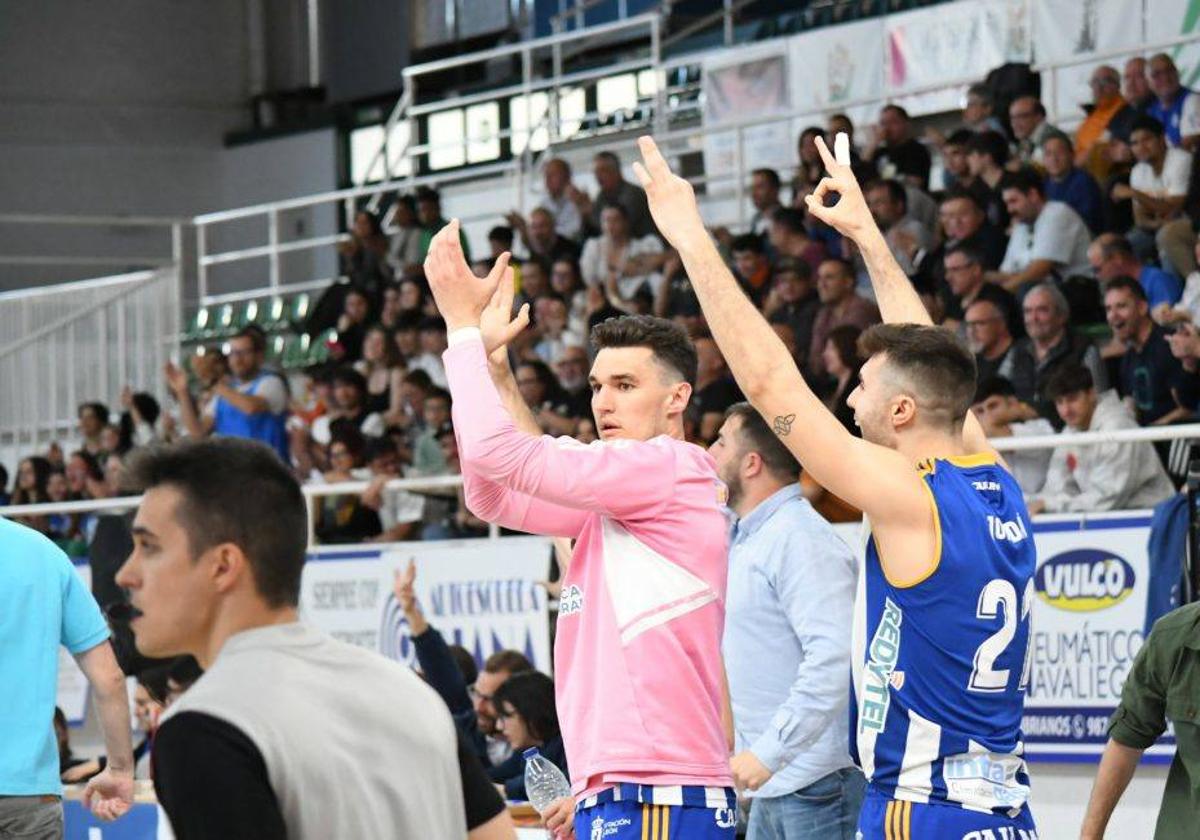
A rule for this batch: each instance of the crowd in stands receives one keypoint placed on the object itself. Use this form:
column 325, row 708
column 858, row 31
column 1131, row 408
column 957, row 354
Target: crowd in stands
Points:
column 1066, row 260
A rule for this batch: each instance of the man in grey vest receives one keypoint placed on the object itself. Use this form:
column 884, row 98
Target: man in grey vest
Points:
column 289, row 733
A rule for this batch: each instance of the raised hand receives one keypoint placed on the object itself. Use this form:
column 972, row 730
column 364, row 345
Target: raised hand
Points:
column 177, row 380
column 850, row 216
column 496, row 322
column 672, row 200
column 461, row 296
column 406, row 597
column 109, row 795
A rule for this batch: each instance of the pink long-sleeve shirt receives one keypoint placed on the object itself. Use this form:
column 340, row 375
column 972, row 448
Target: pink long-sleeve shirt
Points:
column 637, row 659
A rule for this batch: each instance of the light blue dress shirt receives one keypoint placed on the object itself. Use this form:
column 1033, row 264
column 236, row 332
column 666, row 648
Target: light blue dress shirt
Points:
column 788, row 614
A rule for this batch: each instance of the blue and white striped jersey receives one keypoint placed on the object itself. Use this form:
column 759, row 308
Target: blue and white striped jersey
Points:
column 940, row 666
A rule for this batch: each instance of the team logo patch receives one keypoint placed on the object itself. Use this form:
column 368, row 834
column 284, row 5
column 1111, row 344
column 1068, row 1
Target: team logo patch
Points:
column 571, row 600
column 597, row 828
column 896, row 680
column 725, row 817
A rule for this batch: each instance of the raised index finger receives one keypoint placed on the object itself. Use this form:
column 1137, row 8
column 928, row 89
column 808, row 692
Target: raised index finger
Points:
column 656, row 164
column 826, row 156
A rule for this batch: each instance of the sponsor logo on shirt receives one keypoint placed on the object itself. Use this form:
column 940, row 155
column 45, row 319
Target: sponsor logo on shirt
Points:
column 602, row 828
column 1007, row 530
column 986, row 486
column 880, row 671
column 986, row 779
column 1084, row 580
column 571, row 600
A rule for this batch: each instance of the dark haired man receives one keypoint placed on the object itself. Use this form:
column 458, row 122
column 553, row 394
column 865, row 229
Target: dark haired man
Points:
column 899, row 154
column 1108, row 476
column 287, row 728
column 949, row 565
column 614, row 190
column 1158, row 184
column 637, row 657
column 790, row 597
column 253, row 404
column 1048, row 238
column 907, row 238
column 751, row 265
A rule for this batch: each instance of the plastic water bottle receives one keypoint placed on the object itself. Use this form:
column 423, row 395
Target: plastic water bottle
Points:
column 544, row 783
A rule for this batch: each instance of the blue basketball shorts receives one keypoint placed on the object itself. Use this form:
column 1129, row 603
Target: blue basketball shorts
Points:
column 642, row 812
column 894, row 819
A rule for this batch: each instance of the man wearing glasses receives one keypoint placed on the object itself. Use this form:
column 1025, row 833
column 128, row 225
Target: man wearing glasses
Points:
column 990, row 340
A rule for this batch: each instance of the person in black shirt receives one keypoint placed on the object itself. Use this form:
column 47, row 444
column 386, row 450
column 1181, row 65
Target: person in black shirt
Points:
column 900, row 155
column 1161, row 390
column 527, row 719
column 794, row 301
column 715, row 389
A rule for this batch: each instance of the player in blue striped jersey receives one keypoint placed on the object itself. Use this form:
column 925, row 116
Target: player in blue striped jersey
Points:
column 943, row 624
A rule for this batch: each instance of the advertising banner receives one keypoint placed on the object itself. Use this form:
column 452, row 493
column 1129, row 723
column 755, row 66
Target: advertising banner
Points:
column 1066, row 29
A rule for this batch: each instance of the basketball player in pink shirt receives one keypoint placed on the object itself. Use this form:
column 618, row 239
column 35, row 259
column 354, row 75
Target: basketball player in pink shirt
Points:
column 637, row 659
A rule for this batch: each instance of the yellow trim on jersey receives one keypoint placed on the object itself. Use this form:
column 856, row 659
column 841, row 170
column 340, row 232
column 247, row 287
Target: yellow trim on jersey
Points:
column 937, row 546
column 977, row 459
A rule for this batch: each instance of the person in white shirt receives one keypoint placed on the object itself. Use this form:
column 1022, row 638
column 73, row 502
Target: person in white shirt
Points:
column 1048, row 237
column 1158, row 186
column 618, row 256
column 561, row 198
column 1003, row 415
column 1107, row 476
column 349, row 398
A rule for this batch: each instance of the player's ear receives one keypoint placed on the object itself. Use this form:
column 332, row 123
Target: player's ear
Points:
column 681, row 393
column 904, row 410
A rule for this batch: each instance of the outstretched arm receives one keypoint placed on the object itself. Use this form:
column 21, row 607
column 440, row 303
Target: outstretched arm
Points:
column 871, row 477
column 898, row 300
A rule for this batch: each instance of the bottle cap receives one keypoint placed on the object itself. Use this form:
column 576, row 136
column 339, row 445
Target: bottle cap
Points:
column 532, row 752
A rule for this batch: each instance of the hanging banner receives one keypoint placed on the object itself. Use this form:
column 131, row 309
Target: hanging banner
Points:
column 837, row 65
column 742, row 85
column 935, row 46
column 1066, row 29
column 1167, row 20
column 481, row 594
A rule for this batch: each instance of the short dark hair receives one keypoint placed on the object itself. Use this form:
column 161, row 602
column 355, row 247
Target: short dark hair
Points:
column 154, row 680
column 957, row 193
column 349, row 376
column 610, row 157
column 770, row 174
column 98, row 408
column 756, row 436
column 983, row 92
column 258, row 339
column 990, row 143
column 425, row 194
column 934, row 360
column 747, row 242
column 419, row 378
column 960, row 138
column 531, row 694
column 845, row 340
column 789, row 265
column 507, row 661
column 501, row 233
column 378, row 447
column 465, row 661
column 994, row 386
column 433, row 323
column 1148, row 123
column 1024, row 180
column 971, row 254
column 896, row 109
column 437, row 393
column 234, row 490
column 1068, row 379
column 1114, row 245
column 1128, row 284
column 895, row 190
column 184, row 671
column 667, row 340
column 790, row 219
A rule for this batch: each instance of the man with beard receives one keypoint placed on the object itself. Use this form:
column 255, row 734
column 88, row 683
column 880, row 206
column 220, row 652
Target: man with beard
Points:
column 790, row 596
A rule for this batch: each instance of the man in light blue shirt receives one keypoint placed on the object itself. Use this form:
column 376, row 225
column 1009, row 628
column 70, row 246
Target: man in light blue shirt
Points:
column 787, row 643
column 44, row 604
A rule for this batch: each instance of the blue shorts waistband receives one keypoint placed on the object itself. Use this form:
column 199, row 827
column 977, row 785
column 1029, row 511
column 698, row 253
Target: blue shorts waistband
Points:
column 686, row 796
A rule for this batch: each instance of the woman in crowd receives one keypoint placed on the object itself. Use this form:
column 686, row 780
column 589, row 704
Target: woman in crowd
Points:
column 617, row 257
column 64, row 527
column 33, row 473
column 404, row 252
column 567, row 281
column 136, row 426
column 810, row 170
column 345, row 519
column 843, row 364
column 383, row 368
column 526, row 717
column 364, row 257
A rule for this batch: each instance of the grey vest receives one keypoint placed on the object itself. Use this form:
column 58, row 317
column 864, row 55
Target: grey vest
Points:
column 356, row 745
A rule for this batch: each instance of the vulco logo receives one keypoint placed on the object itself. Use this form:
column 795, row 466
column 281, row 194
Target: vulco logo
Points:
column 1084, row 580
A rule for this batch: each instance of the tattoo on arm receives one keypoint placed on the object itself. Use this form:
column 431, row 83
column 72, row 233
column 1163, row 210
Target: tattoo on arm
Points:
column 783, row 424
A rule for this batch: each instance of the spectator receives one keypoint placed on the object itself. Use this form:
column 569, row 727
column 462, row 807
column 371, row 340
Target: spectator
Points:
column 352, row 325
column 553, row 330
column 898, row 154
column 840, row 304
column 964, row 223
column 33, row 473
column 794, row 301
column 534, row 283
column 1048, row 239
column 84, row 475
column 1108, row 476
column 1188, row 309
column 433, row 344
column 427, row 456
column 809, row 169
column 572, row 371
column 978, row 114
column 383, row 369
column 349, row 410
column 1112, row 256
column 1050, row 344
column 399, row 510
column 1002, row 414
column 1135, row 85
column 544, row 244
column 956, row 171
column 585, row 431
column 412, row 300
column 137, row 420
column 994, row 347
column 751, row 267
column 790, row 238
column 404, row 251
column 110, row 441
column 764, row 195
column 1170, row 97
column 1092, row 138
column 621, row 255
column 906, row 238
column 5, row 498
column 676, row 299
column 390, row 310
column 1071, row 185
column 429, row 214
column 46, row 605
column 567, row 282
column 500, row 240
column 364, row 257
column 864, row 170
column 966, row 285
column 615, row 191
column 93, row 417
column 526, row 718
column 251, row 404
column 1030, row 128
column 790, row 596
column 550, row 405
column 714, row 392
column 1150, row 377
column 1158, row 186
column 562, row 199
column 843, row 364
column 987, row 157
column 345, row 519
